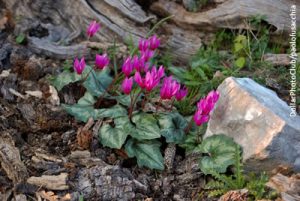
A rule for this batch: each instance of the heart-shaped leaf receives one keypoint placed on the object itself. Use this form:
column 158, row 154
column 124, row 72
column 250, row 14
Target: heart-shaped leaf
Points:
column 221, row 151
column 84, row 109
column 147, row 153
column 113, row 112
column 97, row 82
column 64, row 79
column 145, row 127
column 172, row 127
column 114, row 137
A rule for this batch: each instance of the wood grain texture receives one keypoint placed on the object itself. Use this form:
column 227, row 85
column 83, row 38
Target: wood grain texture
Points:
column 123, row 20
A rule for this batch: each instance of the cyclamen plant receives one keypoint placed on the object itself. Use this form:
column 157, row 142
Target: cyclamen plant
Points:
column 131, row 125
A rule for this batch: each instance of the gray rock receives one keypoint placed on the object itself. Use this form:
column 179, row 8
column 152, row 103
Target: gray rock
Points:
column 257, row 119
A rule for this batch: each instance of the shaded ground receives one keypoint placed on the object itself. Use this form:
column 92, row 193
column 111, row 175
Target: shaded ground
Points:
column 47, row 137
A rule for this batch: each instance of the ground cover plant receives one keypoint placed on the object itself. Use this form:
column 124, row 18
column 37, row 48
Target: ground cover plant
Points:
column 143, row 107
column 140, row 114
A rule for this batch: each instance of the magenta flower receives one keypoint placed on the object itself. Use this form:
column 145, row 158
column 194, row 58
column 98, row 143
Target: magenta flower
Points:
column 139, row 80
column 151, row 79
column 93, row 28
column 79, row 65
column 181, row 93
column 205, row 106
column 143, row 45
column 161, row 72
column 154, row 42
column 169, row 88
column 138, row 64
column 127, row 85
column 127, row 67
column 213, row 96
column 101, row 61
column 199, row 118
column 147, row 55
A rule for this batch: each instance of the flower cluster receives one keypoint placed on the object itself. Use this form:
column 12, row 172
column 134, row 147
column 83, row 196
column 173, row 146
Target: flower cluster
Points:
column 101, row 61
column 205, row 106
column 152, row 77
column 145, row 76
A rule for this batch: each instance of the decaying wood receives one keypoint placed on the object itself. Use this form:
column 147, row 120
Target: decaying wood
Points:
column 123, row 20
column 84, row 134
column 230, row 14
column 237, row 195
column 10, row 159
column 51, row 182
column 289, row 187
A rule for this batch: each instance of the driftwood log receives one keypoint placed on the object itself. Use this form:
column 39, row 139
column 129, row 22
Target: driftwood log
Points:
column 53, row 26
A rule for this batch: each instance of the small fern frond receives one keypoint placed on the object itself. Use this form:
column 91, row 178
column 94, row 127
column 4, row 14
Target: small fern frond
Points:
column 215, row 193
column 238, row 173
column 214, row 185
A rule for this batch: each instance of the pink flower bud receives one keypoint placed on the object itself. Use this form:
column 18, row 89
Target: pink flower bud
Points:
column 127, row 85
column 79, row 65
column 200, row 119
column 213, row 96
column 181, row 93
column 138, row 79
column 205, row 106
column 154, row 42
column 93, row 28
column 147, row 55
column 143, row 45
column 101, row 61
column 149, row 81
column 127, row 67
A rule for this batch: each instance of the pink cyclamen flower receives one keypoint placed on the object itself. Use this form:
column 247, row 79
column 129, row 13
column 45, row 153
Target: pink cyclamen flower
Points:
column 138, row 64
column 154, row 42
column 158, row 74
column 127, row 67
column 213, row 96
column 139, row 80
column 127, row 85
column 79, row 65
column 205, row 106
column 147, row 55
column 148, row 83
column 181, row 93
column 101, row 61
column 199, row 118
column 143, row 44
column 169, row 88
column 93, row 28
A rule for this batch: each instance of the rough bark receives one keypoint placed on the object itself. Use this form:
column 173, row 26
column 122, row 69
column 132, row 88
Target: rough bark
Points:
column 51, row 25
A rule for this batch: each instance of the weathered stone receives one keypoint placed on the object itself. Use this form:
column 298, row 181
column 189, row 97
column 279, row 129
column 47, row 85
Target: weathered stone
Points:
column 260, row 122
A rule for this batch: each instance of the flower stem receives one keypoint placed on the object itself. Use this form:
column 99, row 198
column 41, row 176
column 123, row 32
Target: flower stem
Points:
column 189, row 126
column 144, row 100
column 172, row 104
column 133, row 101
column 159, row 102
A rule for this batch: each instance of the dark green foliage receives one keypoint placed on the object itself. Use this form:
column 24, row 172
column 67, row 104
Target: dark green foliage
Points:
column 223, row 183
